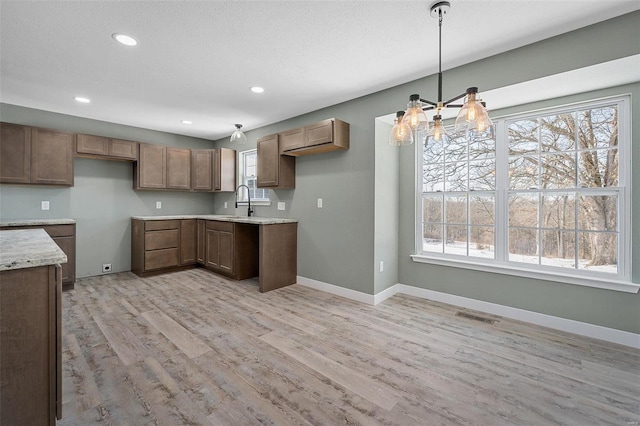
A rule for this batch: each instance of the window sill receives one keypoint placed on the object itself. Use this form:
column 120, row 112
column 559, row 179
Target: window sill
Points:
column 255, row 203
column 603, row 283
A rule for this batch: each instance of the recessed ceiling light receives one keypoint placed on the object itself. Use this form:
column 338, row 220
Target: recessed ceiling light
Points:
column 186, row 122
column 82, row 100
column 257, row 89
column 124, row 39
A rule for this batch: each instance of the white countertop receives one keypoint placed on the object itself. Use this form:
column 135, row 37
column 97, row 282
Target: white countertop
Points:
column 255, row 220
column 36, row 222
column 28, row 248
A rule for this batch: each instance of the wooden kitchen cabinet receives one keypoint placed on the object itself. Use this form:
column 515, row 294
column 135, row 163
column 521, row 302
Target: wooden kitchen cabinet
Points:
column 274, row 170
column 31, row 346
column 224, row 170
column 323, row 136
column 104, row 148
column 151, row 168
column 65, row 237
column 200, row 242
column 291, row 139
column 31, row 155
column 231, row 249
column 219, row 246
column 188, row 242
column 178, row 168
column 202, row 169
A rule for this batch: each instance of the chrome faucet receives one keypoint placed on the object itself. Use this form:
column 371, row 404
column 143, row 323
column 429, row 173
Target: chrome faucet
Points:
column 249, row 210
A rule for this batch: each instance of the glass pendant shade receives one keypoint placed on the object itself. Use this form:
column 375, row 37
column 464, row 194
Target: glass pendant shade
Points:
column 473, row 120
column 415, row 117
column 237, row 136
column 401, row 133
column 437, row 133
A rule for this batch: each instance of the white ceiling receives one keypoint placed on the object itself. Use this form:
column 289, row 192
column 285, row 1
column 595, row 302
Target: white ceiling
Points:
column 196, row 60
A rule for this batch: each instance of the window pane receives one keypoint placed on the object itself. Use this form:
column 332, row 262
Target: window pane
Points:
column 456, row 209
column 598, row 213
column 558, row 171
column 557, row 133
column 558, row 248
column 523, row 245
column 523, row 210
column 523, row 137
column 485, row 148
column 456, row 176
column 598, row 168
column 482, row 241
column 432, row 237
column 482, row 175
column 456, row 150
column 523, row 172
column 433, row 178
column 598, row 251
column 598, row 127
column 456, row 242
column 482, row 210
column 432, row 209
column 433, row 152
column 558, row 211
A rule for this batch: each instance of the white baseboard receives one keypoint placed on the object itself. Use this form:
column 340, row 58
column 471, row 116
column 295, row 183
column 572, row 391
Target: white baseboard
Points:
column 576, row 327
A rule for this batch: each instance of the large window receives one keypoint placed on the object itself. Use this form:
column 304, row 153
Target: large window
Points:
column 551, row 194
column 247, row 162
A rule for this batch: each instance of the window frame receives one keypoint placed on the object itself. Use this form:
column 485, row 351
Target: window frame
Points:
column 242, row 200
column 620, row 281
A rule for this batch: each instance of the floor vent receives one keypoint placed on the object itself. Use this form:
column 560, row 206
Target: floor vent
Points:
column 475, row 317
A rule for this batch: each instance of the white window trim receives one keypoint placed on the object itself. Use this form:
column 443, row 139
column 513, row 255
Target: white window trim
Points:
column 621, row 282
column 240, row 169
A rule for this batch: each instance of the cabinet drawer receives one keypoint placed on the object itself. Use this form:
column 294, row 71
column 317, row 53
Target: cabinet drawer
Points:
column 60, row 230
column 220, row 226
column 159, row 259
column 156, row 225
column 161, row 239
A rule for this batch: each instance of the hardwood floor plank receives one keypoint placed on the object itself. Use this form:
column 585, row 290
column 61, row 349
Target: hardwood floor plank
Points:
column 121, row 339
column 179, row 336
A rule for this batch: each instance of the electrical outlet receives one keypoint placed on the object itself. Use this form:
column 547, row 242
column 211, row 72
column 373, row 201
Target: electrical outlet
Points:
column 106, row 267
column 44, row 205
column 225, row 204
column 158, row 204
column 381, row 265
column 319, row 203
column 281, row 205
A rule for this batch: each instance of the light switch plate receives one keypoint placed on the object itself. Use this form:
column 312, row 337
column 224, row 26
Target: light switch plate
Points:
column 281, row 205
column 225, row 204
column 319, row 203
column 158, row 204
column 44, row 205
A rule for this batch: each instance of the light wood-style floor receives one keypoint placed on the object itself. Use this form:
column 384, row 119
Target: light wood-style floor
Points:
column 192, row 348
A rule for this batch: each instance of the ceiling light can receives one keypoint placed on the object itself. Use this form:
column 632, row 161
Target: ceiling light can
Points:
column 124, row 39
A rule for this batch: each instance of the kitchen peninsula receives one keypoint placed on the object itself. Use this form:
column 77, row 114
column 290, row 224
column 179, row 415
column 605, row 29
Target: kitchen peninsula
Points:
column 238, row 247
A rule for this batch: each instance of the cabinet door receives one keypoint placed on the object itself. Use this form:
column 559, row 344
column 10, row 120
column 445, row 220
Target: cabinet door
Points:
column 201, row 169
column 225, row 251
column 319, row 133
column 200, row 251
column 178, row 168
column 15, row 153
column 188, row 238
column 127, row 150
column 68, row 246
column 268, row 161
column 226, row 170
column 51, row 157
column 217, row 170
column 90, row 144
column 151, row 167
column 212, row 252
column 292, row 139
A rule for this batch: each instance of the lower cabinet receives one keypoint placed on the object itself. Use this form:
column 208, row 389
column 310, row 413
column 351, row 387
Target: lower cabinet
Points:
column 200, row 241
column 231, row 249
column 30, row 346
column 188, row 239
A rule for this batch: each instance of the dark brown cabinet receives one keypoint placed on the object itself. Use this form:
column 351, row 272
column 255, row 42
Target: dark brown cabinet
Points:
column 178, row 168
column 219, row 246
column 224, row 170
column 31, row 346
column 200, row 241
column 103, row 148
column 202, row 169
column 274, row 170
column 35, row 156
column 323, row 136
column 188, row 241
column 231, row 249
column 65, row 237
column 151, row 168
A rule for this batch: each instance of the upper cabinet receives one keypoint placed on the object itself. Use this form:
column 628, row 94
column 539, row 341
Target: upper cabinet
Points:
column 32, row 155
column 324, row 136
column 274, row 170
column 224, row 170
column 150, row 171
column 202, row 170
column 101, row 147
column 178, row 168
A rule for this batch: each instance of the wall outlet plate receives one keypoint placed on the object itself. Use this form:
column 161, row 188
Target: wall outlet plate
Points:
column 44, row 205
column 319, row 203
column 225, row 204
column 281, row 205
column 158, row 204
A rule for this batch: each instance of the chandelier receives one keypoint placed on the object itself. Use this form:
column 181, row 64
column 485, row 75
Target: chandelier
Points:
column 413, row 124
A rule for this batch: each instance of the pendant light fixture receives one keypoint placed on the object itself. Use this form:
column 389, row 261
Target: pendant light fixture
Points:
column 401, row 134
column 473, row 119
column 237, row 136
